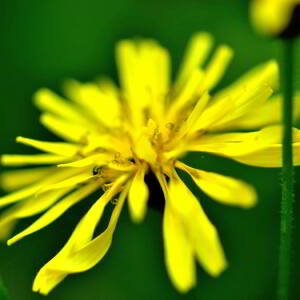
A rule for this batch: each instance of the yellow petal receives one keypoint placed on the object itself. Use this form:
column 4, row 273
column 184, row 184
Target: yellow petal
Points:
column 218, row 139
column 212, row 115
column 107, row 142
column 98, row 159
column 59, row 267
column 69, row 182
column 269, row 157
column 104, row 107
column 58, row 148
column 215, row 143
column 266, row 114
column 242, row 105
column 236, row 145
column 195, row 114
column 217, row 67
column 56, row 211
column 179, row 256
column 266, row 74
column 138, row 196
column 179, row 252
column 260, row 148
column 34, row 159
column 144, row 71
column 48, row 101
column 107, row 86
column 224, row 189
column 202, row 234
column 19, row 195
column 163, row 71
column 90, row 254
column 241, row 97
column 85, row 230
column 196, row 54
column 12, row 180
column 150, row 56
column 34, row 188
column 155, row 80
column 126, row 61
column 67, row 130
column 30, row 207
column 47, row 281
column 136, row 96
column 186, row 95
column 188, row 126
column 144, row 150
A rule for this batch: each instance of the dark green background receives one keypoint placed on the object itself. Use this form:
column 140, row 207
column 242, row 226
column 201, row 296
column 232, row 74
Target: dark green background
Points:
column 44, row 42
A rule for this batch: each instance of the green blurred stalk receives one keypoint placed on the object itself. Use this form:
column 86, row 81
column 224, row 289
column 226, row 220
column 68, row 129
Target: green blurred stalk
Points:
column 287, row 172
column 3, row 293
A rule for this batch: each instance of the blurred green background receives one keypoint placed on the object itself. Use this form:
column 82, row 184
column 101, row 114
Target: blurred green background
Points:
column 44, row 42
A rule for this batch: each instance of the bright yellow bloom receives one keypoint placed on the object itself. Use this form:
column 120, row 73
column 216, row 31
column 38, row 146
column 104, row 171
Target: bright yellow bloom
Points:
column 114, row 137
column 272, row 17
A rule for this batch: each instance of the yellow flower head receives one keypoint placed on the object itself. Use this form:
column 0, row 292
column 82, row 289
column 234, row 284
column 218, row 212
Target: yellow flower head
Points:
column 114, row 137
column 272, row 17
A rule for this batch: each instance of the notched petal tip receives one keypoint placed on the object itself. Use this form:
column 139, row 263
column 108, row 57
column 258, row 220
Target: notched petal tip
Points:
column 46, row 281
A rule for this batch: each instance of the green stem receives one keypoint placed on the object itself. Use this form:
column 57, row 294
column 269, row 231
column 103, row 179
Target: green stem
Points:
column 287, row 173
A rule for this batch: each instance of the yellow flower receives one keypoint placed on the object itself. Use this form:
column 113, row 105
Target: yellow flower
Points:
column 114, row 137
column 272, row 17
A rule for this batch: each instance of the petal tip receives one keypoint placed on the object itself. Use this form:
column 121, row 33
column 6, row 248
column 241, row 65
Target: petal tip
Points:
column 250, row 198
column 219, row 269
column 137, row 218
column 250, row 203
column 185, row 289
column 13, row 240
column 21, row 139
column 226, row 49
column 203, row 35
column 41, row 95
